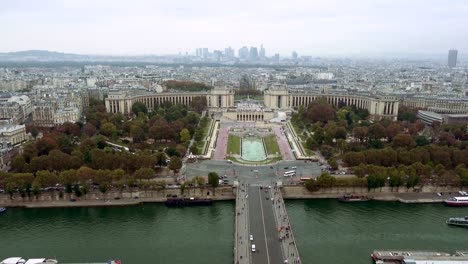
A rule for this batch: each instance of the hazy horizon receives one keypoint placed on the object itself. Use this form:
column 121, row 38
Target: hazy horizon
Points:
column 321, row 28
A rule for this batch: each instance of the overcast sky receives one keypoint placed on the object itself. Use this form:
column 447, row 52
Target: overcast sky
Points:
column 311, row 27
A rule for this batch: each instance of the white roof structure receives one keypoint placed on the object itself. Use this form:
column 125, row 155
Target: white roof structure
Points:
column 35, row 261
column 13, row 260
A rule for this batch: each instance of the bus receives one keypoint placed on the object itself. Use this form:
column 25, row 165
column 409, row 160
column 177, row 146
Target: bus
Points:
column 304, row 179
column 289, row 173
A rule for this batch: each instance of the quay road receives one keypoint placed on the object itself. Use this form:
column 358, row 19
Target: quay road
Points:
column 260, row 212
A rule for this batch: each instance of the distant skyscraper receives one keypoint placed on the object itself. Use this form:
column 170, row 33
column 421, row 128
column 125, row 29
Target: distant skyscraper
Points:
column 229, row 53
column 294, row 55
column 244, row 53
column 276, row 58
column 205, row 53
column 261, row 54
column 253, row 53
column 199, row 52
column 452, row 58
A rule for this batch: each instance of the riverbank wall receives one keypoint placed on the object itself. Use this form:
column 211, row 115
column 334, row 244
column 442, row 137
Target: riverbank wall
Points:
column 426, row 194
column 113, row 198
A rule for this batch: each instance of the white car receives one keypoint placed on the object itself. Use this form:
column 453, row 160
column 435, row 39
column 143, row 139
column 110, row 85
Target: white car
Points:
column 253, row 247
column 251, row 238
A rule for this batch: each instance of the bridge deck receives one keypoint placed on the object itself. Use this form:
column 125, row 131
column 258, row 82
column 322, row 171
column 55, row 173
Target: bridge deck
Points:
column 260, row 212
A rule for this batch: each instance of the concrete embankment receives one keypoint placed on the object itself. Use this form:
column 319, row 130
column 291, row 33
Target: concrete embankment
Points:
column 427, row 194
column 53, row 199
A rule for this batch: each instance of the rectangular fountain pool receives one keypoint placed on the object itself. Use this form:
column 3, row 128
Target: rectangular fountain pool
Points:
column 252, row 149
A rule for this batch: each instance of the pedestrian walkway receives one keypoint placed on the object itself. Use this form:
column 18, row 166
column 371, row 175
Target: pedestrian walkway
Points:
column 241, row 245
column 285, row 150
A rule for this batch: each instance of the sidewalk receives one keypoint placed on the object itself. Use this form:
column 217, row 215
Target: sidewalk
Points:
column 241, row 246
column 285, row 233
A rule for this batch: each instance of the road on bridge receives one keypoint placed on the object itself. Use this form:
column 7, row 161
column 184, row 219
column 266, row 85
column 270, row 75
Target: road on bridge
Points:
column 263, row 227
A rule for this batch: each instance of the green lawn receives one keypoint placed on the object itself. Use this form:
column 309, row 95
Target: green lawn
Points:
column 201, row 144
column 271, row 145
column 298, row 131
column 233, row 144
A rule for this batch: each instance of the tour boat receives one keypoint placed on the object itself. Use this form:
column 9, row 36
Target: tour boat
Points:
column 350, row 198
column 19, row 260
column 182, row 201
column 457, row 201
column 458, row 221
column 2, row 210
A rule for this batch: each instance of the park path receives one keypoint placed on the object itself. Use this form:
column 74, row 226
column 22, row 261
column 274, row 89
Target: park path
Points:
column 283, row 144
column 221, row 145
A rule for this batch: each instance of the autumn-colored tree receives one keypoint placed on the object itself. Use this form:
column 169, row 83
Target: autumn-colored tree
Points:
column 320, row 111
column 392, row 130
column 360, row 133
column 46, row 144
column 376, row 131
column 403, row 141
column 89, row 129
column 354, row 158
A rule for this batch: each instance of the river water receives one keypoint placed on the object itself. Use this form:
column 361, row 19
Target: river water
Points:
column 326, row 232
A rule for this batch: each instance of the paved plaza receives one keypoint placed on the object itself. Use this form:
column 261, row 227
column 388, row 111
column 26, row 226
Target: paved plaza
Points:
column 262, row 174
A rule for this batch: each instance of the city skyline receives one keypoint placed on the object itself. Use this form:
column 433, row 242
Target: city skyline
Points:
column 315, row 29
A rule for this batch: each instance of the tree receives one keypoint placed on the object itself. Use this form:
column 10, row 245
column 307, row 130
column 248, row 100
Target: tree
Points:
column 184, row 135
column 375, row 181
column 376, row 131
column 161, row 159
column 354, row 158
column 89, row 129
column 333, row 164
column 199, row 181
column 137, row 133
column 392, row 130
column 360, row 133
column 403, row 141
column 29, row 152
column 213, row 179
column 139, row 108
column 18, row 164
column 320, row 111
column 325, row 180
column 175, row 164
column 311, row 143
column 77, row 190
column 406, row 113
column 108, row 129
column 198, row 104
column 421, row 141
column 396, row 177
column 312, row 185
column 46, row 144
column 34, row 132
column 144, row 173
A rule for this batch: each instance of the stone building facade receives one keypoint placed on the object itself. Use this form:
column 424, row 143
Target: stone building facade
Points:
column 378, row 106
column 121, row 101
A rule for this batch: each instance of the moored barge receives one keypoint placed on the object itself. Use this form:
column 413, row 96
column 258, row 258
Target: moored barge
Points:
column 415, row 257
column 351, row 198
column 184, row 201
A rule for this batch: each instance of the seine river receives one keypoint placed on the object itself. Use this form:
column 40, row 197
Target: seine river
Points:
column 326, row 232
